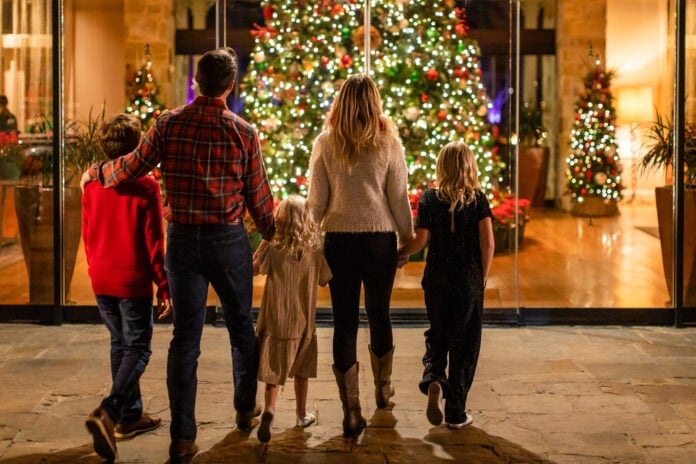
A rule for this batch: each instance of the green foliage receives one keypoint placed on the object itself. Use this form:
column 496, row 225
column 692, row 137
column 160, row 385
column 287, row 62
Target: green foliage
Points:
column 659, row 147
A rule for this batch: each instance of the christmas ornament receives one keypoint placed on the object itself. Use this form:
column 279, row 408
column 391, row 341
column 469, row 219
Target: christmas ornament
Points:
column 359, row 38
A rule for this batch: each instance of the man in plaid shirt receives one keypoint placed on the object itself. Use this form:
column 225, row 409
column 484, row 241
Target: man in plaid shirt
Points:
column 213, row 172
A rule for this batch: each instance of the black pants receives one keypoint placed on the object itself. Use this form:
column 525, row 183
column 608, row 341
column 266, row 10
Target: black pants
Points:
column 455, row 312
column 358, row 259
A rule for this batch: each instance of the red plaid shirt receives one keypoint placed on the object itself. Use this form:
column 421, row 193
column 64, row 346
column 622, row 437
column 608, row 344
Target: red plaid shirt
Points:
column 211, row 164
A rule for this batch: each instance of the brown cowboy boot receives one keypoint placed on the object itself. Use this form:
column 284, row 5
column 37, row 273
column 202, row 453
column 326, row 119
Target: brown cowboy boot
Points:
column 381, row 370
column 353, row 421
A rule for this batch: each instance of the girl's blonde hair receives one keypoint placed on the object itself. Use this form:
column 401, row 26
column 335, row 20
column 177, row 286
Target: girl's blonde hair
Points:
column 356, row 120
column 295, row 226
column 457, row 175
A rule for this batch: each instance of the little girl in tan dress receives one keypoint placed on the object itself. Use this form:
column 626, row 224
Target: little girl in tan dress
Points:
column 294, row 264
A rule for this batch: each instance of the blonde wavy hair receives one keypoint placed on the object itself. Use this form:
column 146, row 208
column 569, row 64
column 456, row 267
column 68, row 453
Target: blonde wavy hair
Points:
column 457, row 175
column 356, row 120
column 296, row 229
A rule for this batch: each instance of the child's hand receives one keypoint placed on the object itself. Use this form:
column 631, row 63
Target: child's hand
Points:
column 401, row 261
column 164, row 308
column 167, row 212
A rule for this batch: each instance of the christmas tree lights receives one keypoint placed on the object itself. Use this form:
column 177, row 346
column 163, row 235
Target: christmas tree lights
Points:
column 594, row 164
column 421, row 57
column 143, row 103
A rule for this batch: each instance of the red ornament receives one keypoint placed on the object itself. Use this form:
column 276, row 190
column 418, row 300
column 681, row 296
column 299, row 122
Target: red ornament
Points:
column 583, row 191
column 301, row 180
column 346, row 61
column 432, row 75
column 460, row 29
column 442, row 115
column 336, row 10
column 424, row 97
column 325, row 61
column 267, row 12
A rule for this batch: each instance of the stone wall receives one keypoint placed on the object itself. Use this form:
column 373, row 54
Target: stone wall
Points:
column 579, row 26
column 151, row 22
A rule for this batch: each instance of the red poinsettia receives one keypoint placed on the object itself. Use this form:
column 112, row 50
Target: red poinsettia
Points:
column 506, row 209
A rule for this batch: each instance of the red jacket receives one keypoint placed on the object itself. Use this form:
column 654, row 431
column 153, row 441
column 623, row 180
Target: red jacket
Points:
column 124, row 238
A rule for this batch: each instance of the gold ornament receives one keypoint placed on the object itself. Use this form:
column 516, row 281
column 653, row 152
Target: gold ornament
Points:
column 359, row 38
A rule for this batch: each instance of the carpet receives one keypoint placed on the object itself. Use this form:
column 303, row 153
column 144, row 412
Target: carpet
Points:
column 654, row 231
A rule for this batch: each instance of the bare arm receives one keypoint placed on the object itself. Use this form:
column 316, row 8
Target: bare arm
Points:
column 487, row 246
column 415, row 243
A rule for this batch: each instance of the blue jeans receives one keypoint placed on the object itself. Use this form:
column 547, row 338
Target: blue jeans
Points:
column 197, row 256
column 129, row 321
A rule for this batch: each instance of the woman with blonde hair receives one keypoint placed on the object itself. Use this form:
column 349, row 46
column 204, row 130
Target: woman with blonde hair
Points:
column 294, row 264
column 456, row 221
column 358, row 193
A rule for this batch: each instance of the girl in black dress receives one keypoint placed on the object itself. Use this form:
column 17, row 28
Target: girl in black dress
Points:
column 455, row 220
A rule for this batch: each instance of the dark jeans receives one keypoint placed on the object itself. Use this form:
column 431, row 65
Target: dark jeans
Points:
column 129, row 321
column 358, row 259
column 455, row 314
column 197, row 256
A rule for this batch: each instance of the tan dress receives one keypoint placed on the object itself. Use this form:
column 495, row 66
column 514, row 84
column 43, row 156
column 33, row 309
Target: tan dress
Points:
column 286, row 323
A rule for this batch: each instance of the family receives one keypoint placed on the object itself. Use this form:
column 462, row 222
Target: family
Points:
column 353, row 231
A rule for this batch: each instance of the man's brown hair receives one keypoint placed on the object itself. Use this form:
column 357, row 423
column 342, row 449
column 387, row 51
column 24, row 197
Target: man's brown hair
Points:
column 216, row 70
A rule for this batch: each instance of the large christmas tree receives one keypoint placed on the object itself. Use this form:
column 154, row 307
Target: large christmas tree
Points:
column 432, row 88
column 143, row 89
column 421, row 57
column 594, row 169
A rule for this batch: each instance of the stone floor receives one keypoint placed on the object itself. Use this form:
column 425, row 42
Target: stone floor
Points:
column 542, row 394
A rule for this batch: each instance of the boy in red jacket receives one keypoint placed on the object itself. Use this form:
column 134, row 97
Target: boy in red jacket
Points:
column 124, row 243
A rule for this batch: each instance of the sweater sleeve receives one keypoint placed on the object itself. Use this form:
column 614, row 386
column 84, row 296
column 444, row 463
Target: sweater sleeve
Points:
column 318, row 194
column 154, row 240
column 397, row 192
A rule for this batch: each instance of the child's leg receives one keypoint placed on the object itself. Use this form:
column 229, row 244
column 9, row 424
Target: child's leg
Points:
column 435, row 357
column 270, row 396
column 301, row 387
column 135, row 319
column 464, row 340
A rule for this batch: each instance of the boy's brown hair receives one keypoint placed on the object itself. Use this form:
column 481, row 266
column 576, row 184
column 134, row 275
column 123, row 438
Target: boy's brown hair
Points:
column 120, row 135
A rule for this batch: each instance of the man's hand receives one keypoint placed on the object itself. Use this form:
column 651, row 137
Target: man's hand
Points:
column 164, row 308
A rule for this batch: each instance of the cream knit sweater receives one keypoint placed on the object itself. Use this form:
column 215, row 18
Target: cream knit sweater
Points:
column 370, row 196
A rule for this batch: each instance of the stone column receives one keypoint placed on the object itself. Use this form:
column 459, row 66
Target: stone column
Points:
column 151, row 22
column 580, row 25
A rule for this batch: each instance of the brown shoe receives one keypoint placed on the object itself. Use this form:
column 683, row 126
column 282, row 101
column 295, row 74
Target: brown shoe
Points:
column 244, row 419
column 142, row 425
column 100, row 425
column 181, row 451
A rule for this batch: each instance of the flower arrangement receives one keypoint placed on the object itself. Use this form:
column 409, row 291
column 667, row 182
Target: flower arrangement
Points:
column 509, row 213
column 506, row 208
column 10, row 155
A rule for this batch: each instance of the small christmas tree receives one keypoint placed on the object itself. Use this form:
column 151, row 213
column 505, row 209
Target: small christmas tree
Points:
column 143, row 100
column 594, row 169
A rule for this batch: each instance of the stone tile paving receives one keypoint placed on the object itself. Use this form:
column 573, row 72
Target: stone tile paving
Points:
column 542, row 394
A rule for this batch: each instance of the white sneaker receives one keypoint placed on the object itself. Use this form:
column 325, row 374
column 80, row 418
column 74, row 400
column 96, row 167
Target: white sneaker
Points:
column 469, row 420
column 434, row 409
column 306, row 421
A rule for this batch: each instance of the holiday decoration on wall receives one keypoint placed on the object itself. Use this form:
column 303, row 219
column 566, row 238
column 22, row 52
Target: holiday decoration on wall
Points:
column 594, row 164
column 421, row 57
column 143, row 89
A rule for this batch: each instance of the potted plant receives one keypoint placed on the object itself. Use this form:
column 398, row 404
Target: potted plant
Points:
column 510, row 215
column 34, row 200
column 533, row 156
column 658, row 154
